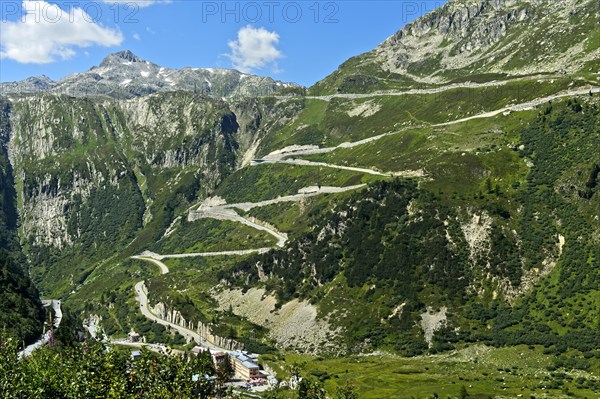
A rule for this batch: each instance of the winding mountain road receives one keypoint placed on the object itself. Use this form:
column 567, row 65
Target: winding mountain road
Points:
column 433, row 90
column 282, row 155
column 222, row 212
column 303, row 193
column 142, row 297
column 227, row 211
column 154, row 258
column 304, row 162
column 523, row 106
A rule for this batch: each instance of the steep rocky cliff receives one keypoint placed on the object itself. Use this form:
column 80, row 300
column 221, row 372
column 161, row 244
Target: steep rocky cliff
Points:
column 494, row 36
column 21, row 314
column 174, row 316
column 76, row 157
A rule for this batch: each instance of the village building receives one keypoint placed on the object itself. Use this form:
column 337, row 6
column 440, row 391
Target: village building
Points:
column 135, row 354
column 133, row 337
column 245, row 365
column 196, row 350
column 218, row 357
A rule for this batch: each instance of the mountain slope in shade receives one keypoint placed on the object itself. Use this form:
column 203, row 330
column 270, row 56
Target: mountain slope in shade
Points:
column 125, row 75
column 21, row 313
column 479, row 41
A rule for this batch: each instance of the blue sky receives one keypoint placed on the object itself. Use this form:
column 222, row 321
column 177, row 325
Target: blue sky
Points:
column 297, row 41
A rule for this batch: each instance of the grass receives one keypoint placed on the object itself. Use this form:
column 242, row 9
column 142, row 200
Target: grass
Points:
column 142, row 183
column 559, row 312
column 187, row 288
column 109, row 294
column 456, row 158
column 329, row 123
column 112, row 284
column 485, row 372
column 210, row 235
column 268, row 181
column 524, row 47
column 293, row 217
column 305, row 129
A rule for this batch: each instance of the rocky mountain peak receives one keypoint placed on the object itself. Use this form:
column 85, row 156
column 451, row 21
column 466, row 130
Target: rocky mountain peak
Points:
column 125, row 75
column 121, row 57
column 486, row 33
column 41, row 80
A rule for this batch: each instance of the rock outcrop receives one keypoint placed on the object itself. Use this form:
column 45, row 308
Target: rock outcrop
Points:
column 174, row 316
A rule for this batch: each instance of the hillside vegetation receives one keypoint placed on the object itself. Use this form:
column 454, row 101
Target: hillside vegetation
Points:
column 436, row 198
column 395, row 245
column 21, row 313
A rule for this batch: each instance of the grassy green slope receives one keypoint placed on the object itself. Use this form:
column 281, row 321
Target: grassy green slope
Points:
column 485, row 372
column 386, row 246
column 342, row 119
column 269, row 181
column 79, row 157
column 210, row 235
column 463, row 41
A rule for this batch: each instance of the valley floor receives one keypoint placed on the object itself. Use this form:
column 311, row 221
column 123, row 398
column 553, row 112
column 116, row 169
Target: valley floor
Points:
column 485, row 372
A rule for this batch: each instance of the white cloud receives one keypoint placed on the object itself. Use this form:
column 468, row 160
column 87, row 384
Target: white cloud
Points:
column 137, row 36
column 139, row 3
column 46, row 32
column 254, row 49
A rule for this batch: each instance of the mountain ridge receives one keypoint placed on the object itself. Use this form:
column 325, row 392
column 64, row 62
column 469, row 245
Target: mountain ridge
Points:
column 478, row 39
column 124, row 75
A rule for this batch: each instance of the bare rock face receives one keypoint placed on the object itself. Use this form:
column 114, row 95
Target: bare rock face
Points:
column 432, row 321
column 293, row 326
column 462, row 33
column 169, row 314
column 68, row 150
column 201, row 129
